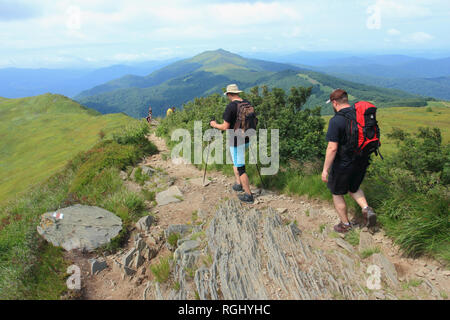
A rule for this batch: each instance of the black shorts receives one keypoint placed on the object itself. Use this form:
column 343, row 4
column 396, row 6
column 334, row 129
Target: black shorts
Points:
column 342, row 182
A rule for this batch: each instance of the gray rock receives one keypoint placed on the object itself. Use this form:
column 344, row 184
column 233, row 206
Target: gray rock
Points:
column 365, row 241
column 172, row 195
column 202, row 215
column 97, row 266
column 256, row 256
column 128, row 257
column 295, row 230
column 379, row 295
column 388, row 273
column 147, row 291
column 148, row 171
column 138, row 261
column 145, row 223
column 345, row 245
column 177, row 228
column 82, row 227
column 128, row 271
column 123, row 175
column 185, row 247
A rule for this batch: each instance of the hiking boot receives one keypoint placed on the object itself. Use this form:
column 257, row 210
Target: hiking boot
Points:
column 370, row 218
column 238, row 187
column 342, row 228
column 247, row 198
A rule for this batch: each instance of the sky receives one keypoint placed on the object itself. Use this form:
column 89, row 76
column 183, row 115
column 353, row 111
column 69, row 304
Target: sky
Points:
column 69, row 33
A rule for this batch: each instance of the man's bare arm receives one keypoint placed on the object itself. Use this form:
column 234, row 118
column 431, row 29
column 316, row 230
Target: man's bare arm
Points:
column 223, row 127
column 329, row 159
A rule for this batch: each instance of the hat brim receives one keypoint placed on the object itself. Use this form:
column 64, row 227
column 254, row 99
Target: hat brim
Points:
column 232, row 92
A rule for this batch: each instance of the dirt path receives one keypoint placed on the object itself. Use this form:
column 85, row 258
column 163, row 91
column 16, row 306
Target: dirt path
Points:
column 421, row 278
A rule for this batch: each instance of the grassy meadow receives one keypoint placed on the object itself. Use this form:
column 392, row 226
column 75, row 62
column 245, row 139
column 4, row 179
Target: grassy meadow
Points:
column 40, row 134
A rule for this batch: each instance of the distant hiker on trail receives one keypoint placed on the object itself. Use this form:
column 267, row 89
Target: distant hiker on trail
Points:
column 345, row 167
column 234, row 113
column 169, row 112
column 150, row 113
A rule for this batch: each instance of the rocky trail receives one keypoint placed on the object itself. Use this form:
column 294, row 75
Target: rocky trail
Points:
column 279, row 248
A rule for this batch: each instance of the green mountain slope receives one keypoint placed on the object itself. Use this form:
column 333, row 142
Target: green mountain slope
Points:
column 40, row 134
column 211, row 71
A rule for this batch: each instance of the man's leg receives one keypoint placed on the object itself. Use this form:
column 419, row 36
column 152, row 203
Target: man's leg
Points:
column 360, row 198
column 236, row 174
column 341, row 208
column 246, row 183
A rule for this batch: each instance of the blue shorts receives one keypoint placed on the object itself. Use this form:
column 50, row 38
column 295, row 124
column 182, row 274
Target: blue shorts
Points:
column 238, row 155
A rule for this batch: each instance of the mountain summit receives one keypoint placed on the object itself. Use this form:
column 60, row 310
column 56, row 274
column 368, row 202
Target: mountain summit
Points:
column 211, row 71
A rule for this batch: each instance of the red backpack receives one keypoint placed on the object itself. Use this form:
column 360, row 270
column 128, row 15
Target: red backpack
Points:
column 363, row 133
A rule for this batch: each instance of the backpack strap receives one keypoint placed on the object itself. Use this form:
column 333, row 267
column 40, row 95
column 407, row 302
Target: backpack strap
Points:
column 239, row 105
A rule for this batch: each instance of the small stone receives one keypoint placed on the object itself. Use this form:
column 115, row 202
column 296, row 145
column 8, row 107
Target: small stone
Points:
column 171, row 195
column 365, row 241
column 282, row 210
column 128, row 271
column 128, row 258
column 345, row 245
column 145, row 223
column 379, row 295
column 97, row 266
column 138, row 261
column 123, row 175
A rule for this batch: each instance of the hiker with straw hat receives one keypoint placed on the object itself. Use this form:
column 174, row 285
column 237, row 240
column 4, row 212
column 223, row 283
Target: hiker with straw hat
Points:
column 237, row 148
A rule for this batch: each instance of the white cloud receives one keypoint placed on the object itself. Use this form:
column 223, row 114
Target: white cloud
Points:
column 394, row 32
column 403, row 9
column 418, row 38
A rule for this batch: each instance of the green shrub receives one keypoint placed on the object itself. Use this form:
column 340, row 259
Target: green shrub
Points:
column 149, row 195
column 173, row 239
column 369, row 252
column 128, row 205
column 139, row 177
column 161, row 271
column 352, row 237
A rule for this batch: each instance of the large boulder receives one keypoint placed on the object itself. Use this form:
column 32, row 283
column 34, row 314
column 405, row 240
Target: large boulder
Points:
column 79, row 227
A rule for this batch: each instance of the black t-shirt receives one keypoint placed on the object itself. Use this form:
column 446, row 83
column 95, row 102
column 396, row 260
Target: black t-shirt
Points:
column 230, row 116
column 336, row 133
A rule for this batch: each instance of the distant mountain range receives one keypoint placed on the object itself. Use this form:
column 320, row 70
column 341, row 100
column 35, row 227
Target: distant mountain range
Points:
column 211, row 71
column 20, row 83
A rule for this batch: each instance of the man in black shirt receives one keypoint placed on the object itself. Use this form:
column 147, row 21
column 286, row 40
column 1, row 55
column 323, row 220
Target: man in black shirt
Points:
column 344, row 172
column 237, row 148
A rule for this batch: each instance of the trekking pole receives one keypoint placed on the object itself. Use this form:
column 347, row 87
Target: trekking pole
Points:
column 259, row 173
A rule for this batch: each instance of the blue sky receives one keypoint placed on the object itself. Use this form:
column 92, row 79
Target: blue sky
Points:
column 63, row 33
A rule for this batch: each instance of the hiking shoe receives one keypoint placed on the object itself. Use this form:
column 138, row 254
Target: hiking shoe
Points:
column 342, row 228
column 238, row 187
column 370, row 218
column 248, row 198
